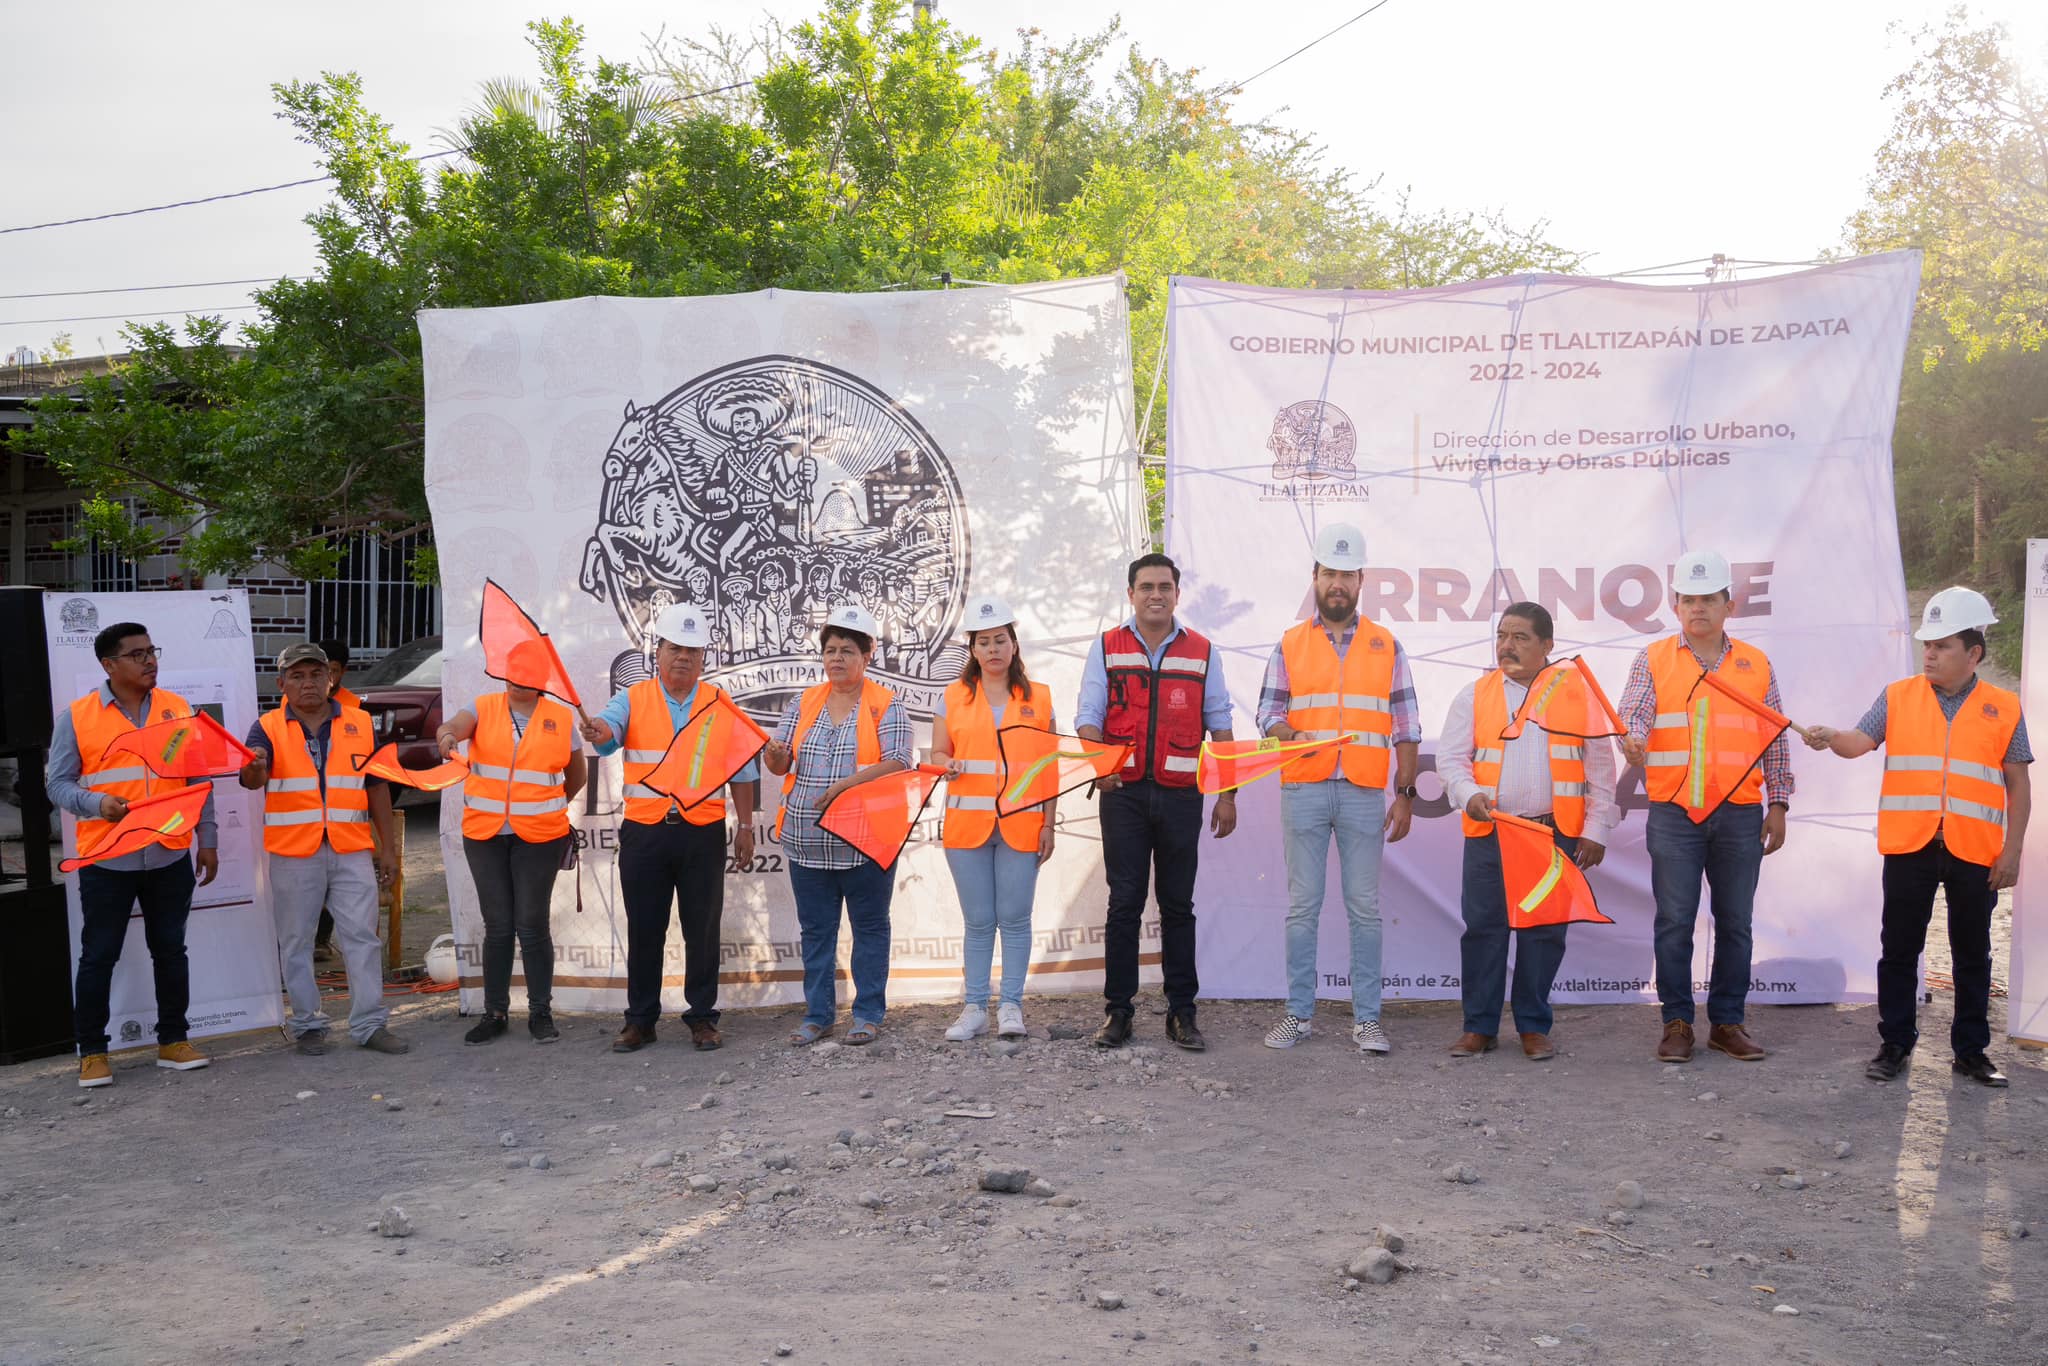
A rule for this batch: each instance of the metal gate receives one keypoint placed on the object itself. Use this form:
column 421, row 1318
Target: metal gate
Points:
column 372, row 601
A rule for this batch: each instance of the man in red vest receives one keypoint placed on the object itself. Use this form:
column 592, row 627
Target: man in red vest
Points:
column 1157, row 686
column 1952, row 814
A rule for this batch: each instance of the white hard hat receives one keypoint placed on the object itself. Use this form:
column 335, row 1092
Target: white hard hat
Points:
column 1340, row 546
column 684, row 623
column 987, row 612
column 1701, row 571
column 854, row 617
column 1953, row 611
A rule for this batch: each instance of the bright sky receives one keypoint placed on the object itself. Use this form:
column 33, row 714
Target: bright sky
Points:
column 1641, row 133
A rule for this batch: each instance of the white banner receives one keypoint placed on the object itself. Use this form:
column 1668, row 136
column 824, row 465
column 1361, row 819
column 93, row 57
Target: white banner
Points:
column 768, row 455
column 1559, row 440
column 2027, row 976
column 208, row 660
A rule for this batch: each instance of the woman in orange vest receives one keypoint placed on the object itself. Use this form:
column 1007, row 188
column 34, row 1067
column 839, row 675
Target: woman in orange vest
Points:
column 525, row 767
column 994, row 860
column 833, row 735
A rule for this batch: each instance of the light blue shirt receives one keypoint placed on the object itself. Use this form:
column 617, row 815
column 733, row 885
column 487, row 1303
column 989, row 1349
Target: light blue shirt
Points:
column 64, row 768
column 1094, row 702
column 620, row 709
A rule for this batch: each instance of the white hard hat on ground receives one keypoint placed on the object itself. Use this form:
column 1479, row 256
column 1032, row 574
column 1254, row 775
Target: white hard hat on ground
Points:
column 684, row 623
column 1699, row 572
column 854, row 617
column 1953, row 611
column 987, row 612
column 1340, row 546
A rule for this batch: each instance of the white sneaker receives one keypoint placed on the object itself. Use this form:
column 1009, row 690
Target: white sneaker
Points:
column 1370, row 1038
column 1291, row 1030
column 973, row 1021
column 1009, row 1021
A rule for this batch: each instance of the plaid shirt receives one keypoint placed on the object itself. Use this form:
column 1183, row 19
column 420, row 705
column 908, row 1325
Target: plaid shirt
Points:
column 1639, row 713
column 829, row 754
column 1275, row 693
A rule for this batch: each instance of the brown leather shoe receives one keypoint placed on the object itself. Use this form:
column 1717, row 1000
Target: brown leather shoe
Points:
column 705, row 1035
column 633, row 1038
column 1472, row 1045
column 1538, row 1048
column 1735, row 1042
column 1676, row 1045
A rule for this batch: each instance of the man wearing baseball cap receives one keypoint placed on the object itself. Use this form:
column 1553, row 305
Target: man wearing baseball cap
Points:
column 1728, row 847
column 670, row 858
column 1951, row 814
column 1338, row 672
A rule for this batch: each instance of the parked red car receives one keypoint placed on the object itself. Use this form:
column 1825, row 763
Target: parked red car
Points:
column 402, row 693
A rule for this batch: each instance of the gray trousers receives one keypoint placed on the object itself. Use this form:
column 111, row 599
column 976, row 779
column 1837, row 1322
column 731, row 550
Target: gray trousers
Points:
column 345, row 884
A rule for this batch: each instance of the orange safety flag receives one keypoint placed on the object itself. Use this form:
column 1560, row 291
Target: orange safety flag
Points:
column 1558, row 702
column 1544, row 887
column 711, row 746
column 1228, row 764
column 877, row 816
column 518, row 652
column 149, row 821
column 1039, row 765
column 195, row 746
column 384, row 764
column 1729, row 734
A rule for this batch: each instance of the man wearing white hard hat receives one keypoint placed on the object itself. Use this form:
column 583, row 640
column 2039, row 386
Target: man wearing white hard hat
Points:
column 670, row 859
column 1727, row 847
column 1951, row 814
column 1338, row 672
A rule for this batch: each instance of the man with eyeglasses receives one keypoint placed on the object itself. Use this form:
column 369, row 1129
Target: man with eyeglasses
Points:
column 160, row 877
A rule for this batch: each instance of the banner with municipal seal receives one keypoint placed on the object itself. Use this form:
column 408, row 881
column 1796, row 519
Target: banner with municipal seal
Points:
column 1563, row 441
column 2026, row 1007
column 766, row 457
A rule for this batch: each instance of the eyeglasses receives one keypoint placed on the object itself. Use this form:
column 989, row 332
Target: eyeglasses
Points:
column 154, row 652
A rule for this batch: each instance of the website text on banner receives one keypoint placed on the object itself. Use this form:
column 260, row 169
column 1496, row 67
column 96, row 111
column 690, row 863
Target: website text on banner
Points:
column 768, row 456
column 1560, row 441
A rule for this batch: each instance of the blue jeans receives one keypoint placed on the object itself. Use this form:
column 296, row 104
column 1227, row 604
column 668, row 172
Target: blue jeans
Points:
column 1728, row 849
column 1310, row 814
column 865, row 892
column 106, row 898
column 995, row 883
column 1483, row 950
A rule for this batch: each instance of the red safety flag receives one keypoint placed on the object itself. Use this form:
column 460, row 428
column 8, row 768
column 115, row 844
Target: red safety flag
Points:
column 149, row 821
column 712, row 746
column 195, row 746
column 1566, row 699
column 1228, row 764
column 877, row 816
column 1039, row 765
column 1729, row 734
column 518, row 652
column 384, row 764
column 1544, row 887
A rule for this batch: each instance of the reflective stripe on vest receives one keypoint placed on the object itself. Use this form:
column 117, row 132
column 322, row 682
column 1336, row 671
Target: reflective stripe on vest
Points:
column 297, row 814
column 971, row 797
column 1945, row 777
column 1157, row 712
column 1566, row 761
column 650, row 729
column 1353, row 695
column 95, row 725
column 867, row 736
column 1674, row 739
column 518, row 776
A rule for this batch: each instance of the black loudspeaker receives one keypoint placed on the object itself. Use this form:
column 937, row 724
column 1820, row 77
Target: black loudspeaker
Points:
column 25, row 682
column 35, row 973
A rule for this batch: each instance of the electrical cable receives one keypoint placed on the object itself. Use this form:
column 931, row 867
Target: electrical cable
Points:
column 1305, row 47
column 110, row 317
column 142, row 289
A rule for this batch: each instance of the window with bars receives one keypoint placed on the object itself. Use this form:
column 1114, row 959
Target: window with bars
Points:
column 372, row 601
column 99, row 568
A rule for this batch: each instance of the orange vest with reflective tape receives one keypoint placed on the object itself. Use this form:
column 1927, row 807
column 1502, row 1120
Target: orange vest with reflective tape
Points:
column 1945, row 776
column 294, row 817
column 971, row 797
column 867, row 743
column 97, row 725
column 515, row 778
column 1490, row 716
column 1674, row 743
column 1327, row 695
column 650, row 729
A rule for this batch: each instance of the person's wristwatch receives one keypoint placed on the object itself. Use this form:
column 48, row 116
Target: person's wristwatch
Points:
column 1408, row 791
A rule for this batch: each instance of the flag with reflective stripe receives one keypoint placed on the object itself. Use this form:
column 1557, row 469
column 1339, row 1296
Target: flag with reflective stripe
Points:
column 518, row 652
column 1229, row 764
column 149, row 821
column 710, row 747
column 384, row 764
column 1565, row 699
column 1543, row 886
column 195, row 746
column 877, row 816
column 1729, row 734
column 1039, row 765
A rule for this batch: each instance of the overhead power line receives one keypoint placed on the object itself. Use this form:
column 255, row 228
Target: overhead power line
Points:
column 1305, row 47
column 142, row 289
column 106, row 317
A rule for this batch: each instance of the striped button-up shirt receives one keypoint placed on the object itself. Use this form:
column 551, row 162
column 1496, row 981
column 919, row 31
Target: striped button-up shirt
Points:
column 830, row 753
column 1275, row 694
column 1639, row 713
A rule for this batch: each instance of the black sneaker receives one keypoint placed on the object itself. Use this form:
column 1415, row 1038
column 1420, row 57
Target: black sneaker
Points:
column 1889, row 1062
column 486, row 1029
column 1979, row 1068
column 1115, row 1031
column 1180, row 1027
column 541, row 1024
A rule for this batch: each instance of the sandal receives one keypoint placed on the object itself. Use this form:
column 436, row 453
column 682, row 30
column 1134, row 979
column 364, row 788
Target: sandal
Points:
column 862, row 1032
column 808, row 1033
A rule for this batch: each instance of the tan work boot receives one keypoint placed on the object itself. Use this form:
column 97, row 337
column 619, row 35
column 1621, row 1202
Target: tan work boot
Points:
column 1676, row 1045
column 95, row 1070
column 1538, row 1048
column 1472, row 1045
column 181, row 1057
column 1735, row 1042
